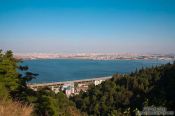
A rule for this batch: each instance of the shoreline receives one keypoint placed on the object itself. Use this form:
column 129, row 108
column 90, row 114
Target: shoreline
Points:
column 159, row 59
column 93, row 56
column 70, row 81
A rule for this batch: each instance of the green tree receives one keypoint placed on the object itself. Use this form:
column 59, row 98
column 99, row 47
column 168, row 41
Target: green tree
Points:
column 127, row 94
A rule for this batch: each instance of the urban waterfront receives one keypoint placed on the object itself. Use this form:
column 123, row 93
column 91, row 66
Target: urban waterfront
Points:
column 58, row 70
column 70, row 88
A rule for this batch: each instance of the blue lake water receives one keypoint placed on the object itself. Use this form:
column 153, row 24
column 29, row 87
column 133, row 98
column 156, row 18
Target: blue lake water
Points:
column 52, row 70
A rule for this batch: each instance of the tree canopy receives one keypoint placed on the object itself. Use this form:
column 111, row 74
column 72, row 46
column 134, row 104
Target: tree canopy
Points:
column 13, row 86
column 126, row 94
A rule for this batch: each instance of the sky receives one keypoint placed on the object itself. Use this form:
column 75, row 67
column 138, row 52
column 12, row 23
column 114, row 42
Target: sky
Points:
column 87, row 26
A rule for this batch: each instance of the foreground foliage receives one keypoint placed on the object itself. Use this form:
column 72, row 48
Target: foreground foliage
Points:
column 13, row 87
column 126, row 94
column 10, row 108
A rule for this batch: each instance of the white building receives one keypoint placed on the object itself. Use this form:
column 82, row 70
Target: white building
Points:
column 97, row 82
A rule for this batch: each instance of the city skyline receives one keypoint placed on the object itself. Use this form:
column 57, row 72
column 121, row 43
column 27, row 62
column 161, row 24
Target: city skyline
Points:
column 93, row 26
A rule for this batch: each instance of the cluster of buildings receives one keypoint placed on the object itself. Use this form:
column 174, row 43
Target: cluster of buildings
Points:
column 70, row 88
column 96, row 56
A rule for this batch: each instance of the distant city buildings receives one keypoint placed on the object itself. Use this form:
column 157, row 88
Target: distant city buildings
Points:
column 96, row 56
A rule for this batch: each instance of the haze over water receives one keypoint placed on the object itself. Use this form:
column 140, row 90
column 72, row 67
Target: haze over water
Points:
column 54, row 70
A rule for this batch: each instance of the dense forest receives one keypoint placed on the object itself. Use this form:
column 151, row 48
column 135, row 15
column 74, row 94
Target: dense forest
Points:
column 128, row 94
column 122, row 95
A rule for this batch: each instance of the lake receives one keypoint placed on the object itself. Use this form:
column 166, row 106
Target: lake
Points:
column 53, row 70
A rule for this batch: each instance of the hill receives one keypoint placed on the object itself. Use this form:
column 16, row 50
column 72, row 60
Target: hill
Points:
column 129, row 94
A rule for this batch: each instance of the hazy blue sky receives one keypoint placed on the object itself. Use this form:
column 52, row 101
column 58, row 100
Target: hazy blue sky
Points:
column 69, row 26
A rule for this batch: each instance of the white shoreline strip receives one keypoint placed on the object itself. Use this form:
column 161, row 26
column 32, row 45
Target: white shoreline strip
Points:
column 64, row 82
